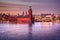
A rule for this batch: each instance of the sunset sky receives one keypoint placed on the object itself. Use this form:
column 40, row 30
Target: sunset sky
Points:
column 38, row 6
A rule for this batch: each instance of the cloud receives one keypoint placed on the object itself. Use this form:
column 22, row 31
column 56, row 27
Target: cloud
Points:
column 37, row 5
column 20, row 2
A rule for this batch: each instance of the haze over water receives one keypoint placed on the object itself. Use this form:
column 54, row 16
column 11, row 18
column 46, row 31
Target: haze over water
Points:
column 38, row 31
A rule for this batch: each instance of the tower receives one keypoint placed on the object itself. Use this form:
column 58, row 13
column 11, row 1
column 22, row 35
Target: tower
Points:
column 30, row 13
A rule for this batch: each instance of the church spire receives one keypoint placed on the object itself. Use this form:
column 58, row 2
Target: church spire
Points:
column 30, row 7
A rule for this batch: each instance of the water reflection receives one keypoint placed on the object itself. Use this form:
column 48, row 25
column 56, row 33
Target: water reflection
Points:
column 14, row 31
column 37, row 31
column 43, row 29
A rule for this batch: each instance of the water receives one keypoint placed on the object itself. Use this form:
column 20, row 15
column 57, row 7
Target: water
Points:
column 38, row 31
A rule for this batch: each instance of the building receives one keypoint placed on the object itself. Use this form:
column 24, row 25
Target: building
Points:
column 27, row 18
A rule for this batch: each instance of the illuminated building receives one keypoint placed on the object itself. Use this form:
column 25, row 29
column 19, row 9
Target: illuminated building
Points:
column 27, row 18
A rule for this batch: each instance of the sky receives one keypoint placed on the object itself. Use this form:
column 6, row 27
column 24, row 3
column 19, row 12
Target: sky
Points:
column 38, row 6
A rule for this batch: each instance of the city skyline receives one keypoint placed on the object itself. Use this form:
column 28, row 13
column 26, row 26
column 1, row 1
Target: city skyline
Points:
column 38, row 6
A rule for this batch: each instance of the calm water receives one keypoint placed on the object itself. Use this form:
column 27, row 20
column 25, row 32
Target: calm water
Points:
column 38, row 31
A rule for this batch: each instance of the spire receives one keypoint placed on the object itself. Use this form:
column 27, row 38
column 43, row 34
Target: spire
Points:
column 30, row 7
